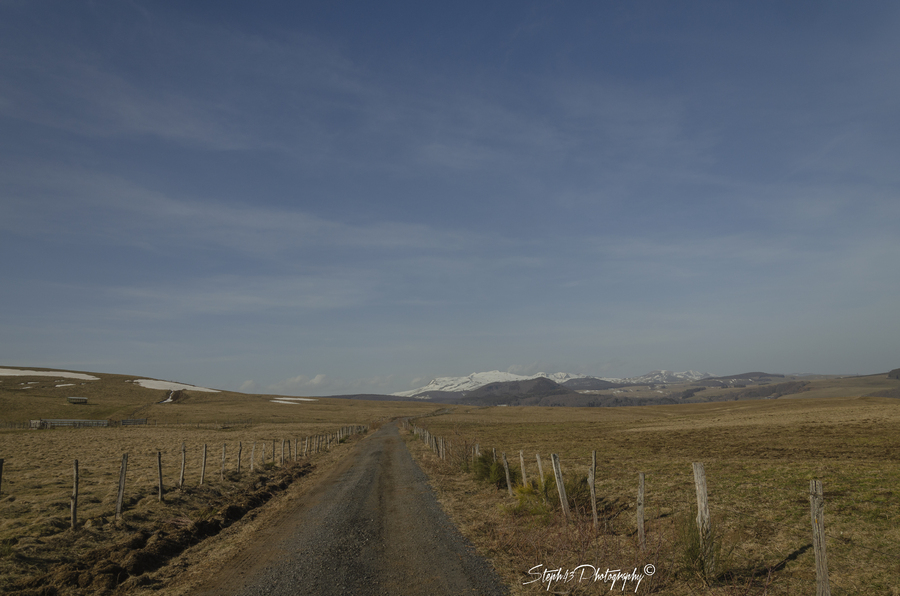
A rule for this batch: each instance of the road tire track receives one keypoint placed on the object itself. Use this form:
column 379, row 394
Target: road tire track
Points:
column 372, row 526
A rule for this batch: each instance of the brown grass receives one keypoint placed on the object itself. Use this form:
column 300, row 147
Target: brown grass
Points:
column 759, row 457
column 116, row 397
column 38, row 480
column 35, row 534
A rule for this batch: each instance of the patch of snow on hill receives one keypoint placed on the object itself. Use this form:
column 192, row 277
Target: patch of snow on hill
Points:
column 168, row 385
column 291, row 400
column 15, row 372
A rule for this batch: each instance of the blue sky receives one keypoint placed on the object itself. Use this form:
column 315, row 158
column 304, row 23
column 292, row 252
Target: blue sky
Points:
column 319, row 198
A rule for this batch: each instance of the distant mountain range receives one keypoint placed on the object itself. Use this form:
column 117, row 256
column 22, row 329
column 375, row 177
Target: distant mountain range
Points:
column 457, row 387
column 658, row 387
column 476, row 380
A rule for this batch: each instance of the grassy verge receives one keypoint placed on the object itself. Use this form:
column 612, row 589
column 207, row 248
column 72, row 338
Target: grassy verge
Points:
column 759, row 458
column 40, row 551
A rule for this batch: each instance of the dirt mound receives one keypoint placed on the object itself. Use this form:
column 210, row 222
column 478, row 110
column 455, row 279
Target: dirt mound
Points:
column 107, row 567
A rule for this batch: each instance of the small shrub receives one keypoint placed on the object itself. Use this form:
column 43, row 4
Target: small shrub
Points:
column 578, row 492
column 531, row 502
column 706, row 560
column 486, row 469
column 498, row 475
column 481, row 467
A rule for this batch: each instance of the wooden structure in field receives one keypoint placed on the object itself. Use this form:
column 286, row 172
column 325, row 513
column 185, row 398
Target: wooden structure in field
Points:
column 71, row 422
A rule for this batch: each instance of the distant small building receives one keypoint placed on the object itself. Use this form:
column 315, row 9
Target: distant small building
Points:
column 77, row 400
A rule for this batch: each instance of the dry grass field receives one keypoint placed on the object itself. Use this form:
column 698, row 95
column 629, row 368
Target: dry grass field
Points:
column 37, row 474
column 118, row 397
column 35, row 534
column 759, row 458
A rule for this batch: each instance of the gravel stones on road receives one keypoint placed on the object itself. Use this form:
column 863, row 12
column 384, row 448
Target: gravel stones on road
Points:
column 371, row 527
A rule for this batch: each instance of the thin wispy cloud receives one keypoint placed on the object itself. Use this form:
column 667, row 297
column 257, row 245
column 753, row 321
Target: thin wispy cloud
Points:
column 117, row 211
column 286, row 195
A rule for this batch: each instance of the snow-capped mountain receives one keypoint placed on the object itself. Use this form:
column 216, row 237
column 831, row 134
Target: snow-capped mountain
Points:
column 476, row 380
column 668, row 376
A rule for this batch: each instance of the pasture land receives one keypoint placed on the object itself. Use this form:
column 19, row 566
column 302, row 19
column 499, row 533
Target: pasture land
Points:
column 759, row 458
column 117, row 397
column 35, row 516
column 37, row 474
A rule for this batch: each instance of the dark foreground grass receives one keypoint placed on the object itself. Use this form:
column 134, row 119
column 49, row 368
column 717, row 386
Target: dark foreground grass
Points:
column 36, row 537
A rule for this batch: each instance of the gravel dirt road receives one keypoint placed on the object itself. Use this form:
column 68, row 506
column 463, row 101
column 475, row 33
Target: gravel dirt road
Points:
column 371, row 526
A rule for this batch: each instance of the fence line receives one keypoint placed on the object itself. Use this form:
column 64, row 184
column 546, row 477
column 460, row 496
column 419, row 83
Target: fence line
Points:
column 816, row 498
column 45, row 423
column 322, row 442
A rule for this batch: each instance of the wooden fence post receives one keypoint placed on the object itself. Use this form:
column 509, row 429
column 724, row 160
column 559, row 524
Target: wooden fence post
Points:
column 222, row 472
column 640, row 511
column 183, row 457
column 817, row 511
column 264, row 455
column 522, row 463
column 203, row 466
column 540, row 469
column 253, row 457
column 561, row 487
column 703, row 524
column 121, row 494
column 282, row 453
column 75, row 498
column 592, row 477
column 240, row 449
column 1, row 476
column 506, row 468
column 159, row 471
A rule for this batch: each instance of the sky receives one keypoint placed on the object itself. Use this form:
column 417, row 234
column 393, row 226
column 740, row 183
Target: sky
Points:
column 320, row 198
